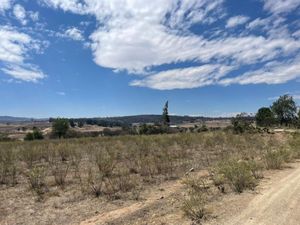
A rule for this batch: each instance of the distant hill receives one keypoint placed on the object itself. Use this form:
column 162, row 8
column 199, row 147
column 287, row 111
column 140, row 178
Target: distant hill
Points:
column 12, row 119
column 120, row 120
column 128, row 120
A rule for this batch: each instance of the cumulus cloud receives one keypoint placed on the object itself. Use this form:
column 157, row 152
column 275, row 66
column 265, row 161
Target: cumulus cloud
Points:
column 14, row 49
column 74, row 33
column 236, row 21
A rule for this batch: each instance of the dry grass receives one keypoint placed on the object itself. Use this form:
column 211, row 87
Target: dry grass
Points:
column 120, row 167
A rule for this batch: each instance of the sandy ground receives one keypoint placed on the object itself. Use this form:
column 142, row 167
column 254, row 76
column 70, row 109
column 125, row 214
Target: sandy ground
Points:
column 276, row 201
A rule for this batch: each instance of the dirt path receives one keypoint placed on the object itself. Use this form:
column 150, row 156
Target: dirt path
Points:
column 277, row 202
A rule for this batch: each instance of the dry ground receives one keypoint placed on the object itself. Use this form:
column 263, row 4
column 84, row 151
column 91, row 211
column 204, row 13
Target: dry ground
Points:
column 275, row 201
column 159, row 201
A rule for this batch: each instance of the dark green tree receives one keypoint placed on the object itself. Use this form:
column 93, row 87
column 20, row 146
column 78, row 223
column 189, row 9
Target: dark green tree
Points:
column 35, row 135
column 72, row 123
column 165, row 115
column 241, row 123
column 265, row 117
column 285, row 109
column 60, row 127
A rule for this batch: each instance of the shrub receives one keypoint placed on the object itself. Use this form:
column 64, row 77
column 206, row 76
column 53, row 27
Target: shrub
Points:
column 35, row 135
column 238, row 174
column 36, row 178
column 8, row 169
column 194, row 205
column 274, row 160
column 105, row 162
column 242, row 123
column 256, row 169
column 95, row 181
column 294, row 144
column 60, row 172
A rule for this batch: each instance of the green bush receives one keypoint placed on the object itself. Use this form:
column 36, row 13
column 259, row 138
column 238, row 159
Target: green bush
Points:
column 35, row 135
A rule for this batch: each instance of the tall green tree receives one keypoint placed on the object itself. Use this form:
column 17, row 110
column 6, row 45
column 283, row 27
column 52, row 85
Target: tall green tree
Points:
column 165, row 115
column 285, row 109
column 265, row 117
column 60, row 127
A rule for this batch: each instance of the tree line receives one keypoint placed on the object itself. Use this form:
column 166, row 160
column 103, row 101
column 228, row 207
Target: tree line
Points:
column 283, row 112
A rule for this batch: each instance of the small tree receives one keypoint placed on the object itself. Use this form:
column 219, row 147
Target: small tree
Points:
column 72, row 123
column 285, row 109
column 165, row 115
column 264, row 117
column 241, row 123
column 60, row 127
column 35, row 135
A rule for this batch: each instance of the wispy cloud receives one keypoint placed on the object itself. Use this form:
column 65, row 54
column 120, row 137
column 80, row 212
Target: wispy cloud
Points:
column 236, row 20
column 139, row 37
column 184, row 78
column 281, row 6
column 14, row 49
column 61, row 93
column 20, row 14
column 4, row 5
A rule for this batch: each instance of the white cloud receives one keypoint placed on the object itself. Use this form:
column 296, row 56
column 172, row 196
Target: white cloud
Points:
column 4, row 5
column 34, row 16
column 236, row 20
column 271, row 73
column 14, row 49
column 184, row 78
column 137, row 37
column 20, row 14
column 281, row 6
column 74, row 33
column 26, row 72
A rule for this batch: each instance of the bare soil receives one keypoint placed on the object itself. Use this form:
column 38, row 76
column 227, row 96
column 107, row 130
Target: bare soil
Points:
column 275, row 201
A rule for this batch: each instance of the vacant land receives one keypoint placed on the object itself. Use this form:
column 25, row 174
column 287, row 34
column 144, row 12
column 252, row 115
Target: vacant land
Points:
column 137, row 179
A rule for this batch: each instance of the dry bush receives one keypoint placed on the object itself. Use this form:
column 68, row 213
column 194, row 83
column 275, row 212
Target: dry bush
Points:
column 238, row 174
column 273, row 160
column 95, row 182
column 106, row 162
column 294, row 144
column 194, row 204
column 60, row 171
column 37, row 180
column 118, row 164
column 256, row 168
column 8, row 168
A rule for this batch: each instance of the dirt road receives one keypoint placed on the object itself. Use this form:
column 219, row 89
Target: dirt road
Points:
column 276, row 203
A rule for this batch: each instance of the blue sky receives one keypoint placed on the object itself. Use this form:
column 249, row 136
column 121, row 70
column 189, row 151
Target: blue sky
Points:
column 85, row 58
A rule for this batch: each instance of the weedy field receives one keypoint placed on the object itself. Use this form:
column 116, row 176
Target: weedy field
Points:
column 70, row 181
